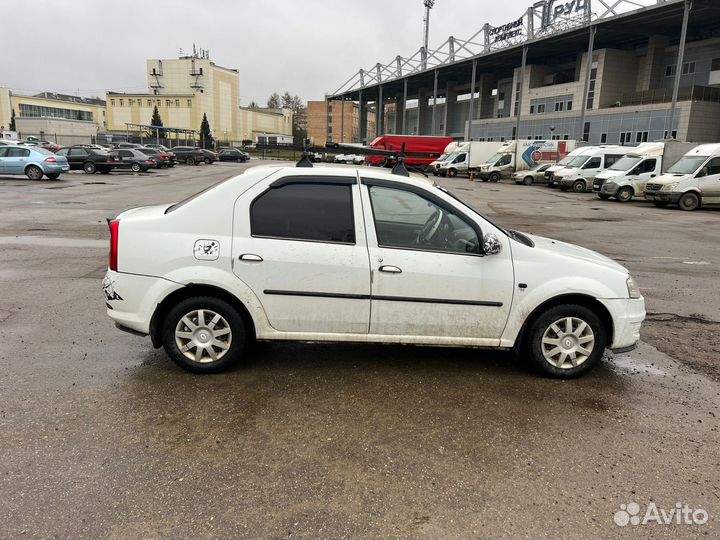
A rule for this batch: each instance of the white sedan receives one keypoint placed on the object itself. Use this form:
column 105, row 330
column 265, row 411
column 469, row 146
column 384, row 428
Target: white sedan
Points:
column 347, row 255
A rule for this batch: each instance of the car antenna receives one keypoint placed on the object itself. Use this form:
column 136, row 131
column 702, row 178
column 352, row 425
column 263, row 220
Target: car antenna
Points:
column 399, row 167
column 305, row 159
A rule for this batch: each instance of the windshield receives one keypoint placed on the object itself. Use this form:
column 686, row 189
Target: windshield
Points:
column 495, row 157
column 578, row 161
column 442, row 157
column 687, row 165
column 566, row 160
column 625, row 164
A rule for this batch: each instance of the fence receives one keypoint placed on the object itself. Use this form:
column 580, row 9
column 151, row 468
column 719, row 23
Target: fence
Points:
column 60, row 139
column 664, row 95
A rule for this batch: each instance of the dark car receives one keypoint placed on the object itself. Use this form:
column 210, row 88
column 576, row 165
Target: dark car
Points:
column 126, row 145
column 129, row 158
column 86, row 159
column 232, row 154
column 162, row 158
column 193, row 155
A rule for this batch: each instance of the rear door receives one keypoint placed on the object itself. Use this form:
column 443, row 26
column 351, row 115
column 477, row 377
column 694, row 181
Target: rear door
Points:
column 300, row 246
column 77, row 157
column 710, row 183
column 16, row 159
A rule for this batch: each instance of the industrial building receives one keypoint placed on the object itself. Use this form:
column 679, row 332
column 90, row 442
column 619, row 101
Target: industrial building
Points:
column 337, row 121
column 603, row 71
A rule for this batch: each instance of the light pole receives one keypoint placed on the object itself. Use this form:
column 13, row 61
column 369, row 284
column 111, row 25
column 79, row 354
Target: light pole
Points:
column 428, row 6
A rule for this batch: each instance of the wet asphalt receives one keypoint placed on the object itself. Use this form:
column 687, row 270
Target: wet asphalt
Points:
column 102, row 436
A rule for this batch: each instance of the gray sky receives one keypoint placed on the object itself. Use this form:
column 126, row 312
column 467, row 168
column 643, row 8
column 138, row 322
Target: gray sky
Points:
column 307, row 47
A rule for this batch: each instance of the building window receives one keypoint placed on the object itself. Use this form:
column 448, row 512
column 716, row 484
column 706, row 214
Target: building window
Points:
column 688, row 68
column 669, row 71
column 112, row 102
column 541, row 108
column 603, row 138
column 131, row 102
column 591, row 86
column 532, row 109
column 566, row 137
column 189, row 103
column 559, row 106
column 625, row 137
column 177, row 103
column 641, row 136
column 517, row 97
column 674, row 134
column 569, row 105
column 36, row 111
column 122, row 103
column 168, row 102
column 586, row 131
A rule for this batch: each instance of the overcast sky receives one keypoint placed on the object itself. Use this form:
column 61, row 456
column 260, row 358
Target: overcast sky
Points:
column 307, row 47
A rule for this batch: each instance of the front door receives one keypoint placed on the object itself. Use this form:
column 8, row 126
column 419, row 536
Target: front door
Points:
column 642, row 173
column 428, row 275
column 300, row 246
column 710, row 183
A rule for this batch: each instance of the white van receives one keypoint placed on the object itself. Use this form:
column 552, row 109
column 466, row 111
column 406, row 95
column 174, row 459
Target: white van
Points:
column 628, row 176
column 692, row 182
column 449, row 150
column 469, row 155
column 581, row 171
column 560, row 165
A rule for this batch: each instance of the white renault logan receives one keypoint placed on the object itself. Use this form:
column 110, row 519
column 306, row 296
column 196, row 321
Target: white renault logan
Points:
column 357, row 255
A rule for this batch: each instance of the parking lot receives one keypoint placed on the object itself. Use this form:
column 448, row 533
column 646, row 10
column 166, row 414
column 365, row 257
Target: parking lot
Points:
column 103, row 436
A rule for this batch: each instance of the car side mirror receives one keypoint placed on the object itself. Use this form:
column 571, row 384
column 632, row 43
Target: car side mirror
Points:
column 491, row 244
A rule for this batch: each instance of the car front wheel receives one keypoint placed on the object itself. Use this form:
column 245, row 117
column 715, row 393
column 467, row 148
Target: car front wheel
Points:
column 565, row 341
column 204, row 335
column 578, row 186
column 495, row 177
column 689, row 201
column 528, row 180
column 135, row 167
column 625, row 194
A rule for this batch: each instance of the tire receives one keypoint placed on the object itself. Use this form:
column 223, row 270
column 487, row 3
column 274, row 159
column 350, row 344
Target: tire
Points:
column 207, row 161
column 53, row 176
column 604, row 197
column 624, row 194
column 690, row 201
column 548, row 331
column 190, row 161
column 528, row 180
column 135, row 167
column 494, row 177
column 452, row 173
column 89, row 168
column 33, row 172
column 660, row 204
column 579, row 186
column 178, row 334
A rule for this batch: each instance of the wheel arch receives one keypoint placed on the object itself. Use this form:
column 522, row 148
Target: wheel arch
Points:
column 573, row 298
column 189, row 291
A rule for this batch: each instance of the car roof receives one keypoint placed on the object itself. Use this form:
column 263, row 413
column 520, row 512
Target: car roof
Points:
column 333, row 169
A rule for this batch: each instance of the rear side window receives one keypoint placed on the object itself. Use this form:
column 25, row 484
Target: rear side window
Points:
column 18, row 152
column 305, row 211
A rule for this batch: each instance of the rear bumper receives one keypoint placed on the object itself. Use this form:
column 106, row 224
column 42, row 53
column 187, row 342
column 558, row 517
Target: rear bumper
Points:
column 49, row 168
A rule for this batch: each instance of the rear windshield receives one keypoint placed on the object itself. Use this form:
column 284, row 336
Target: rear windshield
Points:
column 43, row 151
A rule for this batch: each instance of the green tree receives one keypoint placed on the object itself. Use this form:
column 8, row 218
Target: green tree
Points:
column 156, row 120
column 253, row 105
column 296, row 105
column 205, row 136
column 273, row 101
column 11, row 127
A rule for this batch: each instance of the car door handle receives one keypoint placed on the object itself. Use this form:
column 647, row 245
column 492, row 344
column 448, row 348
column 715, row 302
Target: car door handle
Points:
column 250, row 257
column 390, row 269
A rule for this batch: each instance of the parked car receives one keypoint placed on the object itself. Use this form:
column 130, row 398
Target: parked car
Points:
column 232, row 154
column 163, row 150
column 192, row 155
column 130, row 158
column 117, row 145
column 532, row 175
column 328, row 254
column 86, row 159
column 162, row 159
column 583, row 169
column 350, row 158
column 34, row 162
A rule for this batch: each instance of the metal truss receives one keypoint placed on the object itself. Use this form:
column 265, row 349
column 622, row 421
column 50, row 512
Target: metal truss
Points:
column 542, row 19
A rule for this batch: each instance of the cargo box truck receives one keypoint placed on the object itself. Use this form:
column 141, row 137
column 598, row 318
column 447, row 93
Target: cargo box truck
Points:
column 468, row 155
column 515, row 156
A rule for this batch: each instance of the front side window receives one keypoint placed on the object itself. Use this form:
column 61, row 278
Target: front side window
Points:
column 713, row 166
column 404, row 219
column 460, row 158
column 319, row 212
column 593, row 163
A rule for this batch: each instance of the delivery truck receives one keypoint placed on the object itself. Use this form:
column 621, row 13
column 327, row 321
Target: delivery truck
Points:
column 627, row 177
column 469, row 155
column 515, row 156
column 449, row 150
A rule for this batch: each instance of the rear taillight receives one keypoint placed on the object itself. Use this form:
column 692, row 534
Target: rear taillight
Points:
column 50, row 160
column 150, row 161
column 114, row 235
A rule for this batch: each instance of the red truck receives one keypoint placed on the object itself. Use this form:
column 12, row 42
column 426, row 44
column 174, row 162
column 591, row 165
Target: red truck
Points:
column 419, row 149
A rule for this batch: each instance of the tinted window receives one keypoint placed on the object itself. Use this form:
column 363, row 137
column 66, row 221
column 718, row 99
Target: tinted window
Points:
column 78, row 152
column 125, row 153
column 592, row 163
column 713, row 166
column 4, row 150
column 319, row 212
column 647, row 166
column 407, row 220
column 63, row 152
column 17, row 152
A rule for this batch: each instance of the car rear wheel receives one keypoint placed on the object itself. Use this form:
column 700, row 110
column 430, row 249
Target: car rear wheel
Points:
column 528, row 180
column 578, row 186
column 135, row 167
column 190, row 161
column 34, row 172
column 565, row 341
column 89, row 168
column 204, row 334
column 689, row 201
column 624, row 194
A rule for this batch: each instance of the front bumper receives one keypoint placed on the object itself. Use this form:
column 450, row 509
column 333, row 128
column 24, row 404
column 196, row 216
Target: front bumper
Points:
column 628, row 315
column 608, row 189
column 663, row 196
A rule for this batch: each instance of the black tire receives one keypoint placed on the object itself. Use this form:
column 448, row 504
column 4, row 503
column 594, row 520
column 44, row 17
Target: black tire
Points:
column 207, row 161
column 33, row 172
column 452, row 173
column 135, row 167
column 624, row 194
column 660, row 204
column 690, row 201
column 89, row 167
column 528, row 180
column 238, row 336
column 494, row 177
column 579, row 186
column 534, row 350
column 53, row 176
column 604, row 197
column 190, row 161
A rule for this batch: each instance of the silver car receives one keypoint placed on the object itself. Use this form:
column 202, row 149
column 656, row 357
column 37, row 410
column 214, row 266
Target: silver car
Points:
column 530, row 176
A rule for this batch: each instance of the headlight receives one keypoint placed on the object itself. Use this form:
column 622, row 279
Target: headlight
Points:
column 633, row 289
column 670, row 187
